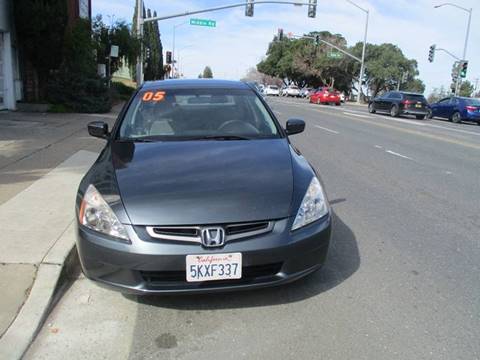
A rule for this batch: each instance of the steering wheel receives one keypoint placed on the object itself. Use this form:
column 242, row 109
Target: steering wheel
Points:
column 237, row 126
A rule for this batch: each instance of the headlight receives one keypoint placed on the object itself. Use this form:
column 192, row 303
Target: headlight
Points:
column 97, row 215
column 313, row 207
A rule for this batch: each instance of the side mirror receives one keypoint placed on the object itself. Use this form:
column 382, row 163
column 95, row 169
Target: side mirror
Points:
column 98, row 129
column 295, row 126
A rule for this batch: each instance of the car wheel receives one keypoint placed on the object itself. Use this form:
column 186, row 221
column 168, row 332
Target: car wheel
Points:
column 318, row 101
column 430, row 114
column 420, row 117
column 371, row 108
column 456, row 118
column 337, row 104
column 394, row 111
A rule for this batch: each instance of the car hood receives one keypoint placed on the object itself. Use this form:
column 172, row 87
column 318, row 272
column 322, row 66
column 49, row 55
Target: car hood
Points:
column 204, row 182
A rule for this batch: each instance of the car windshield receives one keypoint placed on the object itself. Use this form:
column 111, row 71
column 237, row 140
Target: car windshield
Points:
column 414, row 97
column 474, row 102
column 191, row 114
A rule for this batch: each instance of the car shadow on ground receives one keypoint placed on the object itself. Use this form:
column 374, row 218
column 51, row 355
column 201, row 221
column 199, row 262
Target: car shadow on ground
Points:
column 342, row 262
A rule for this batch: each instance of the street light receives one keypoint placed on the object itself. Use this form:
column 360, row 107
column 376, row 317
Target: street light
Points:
column 362, row 67
column 173, row 44
column 469, row 11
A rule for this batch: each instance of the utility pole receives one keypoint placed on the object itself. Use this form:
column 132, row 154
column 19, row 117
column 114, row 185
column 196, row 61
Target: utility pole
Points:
column 140, row 35
column 362, row 66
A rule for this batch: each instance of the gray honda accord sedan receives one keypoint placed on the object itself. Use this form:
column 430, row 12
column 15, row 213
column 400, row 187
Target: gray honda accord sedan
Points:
column 198, row 189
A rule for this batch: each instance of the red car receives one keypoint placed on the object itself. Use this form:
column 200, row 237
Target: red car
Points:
column 325, row 96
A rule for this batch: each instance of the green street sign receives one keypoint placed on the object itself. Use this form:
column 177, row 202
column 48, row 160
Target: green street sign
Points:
column 203, row 22
column 335, row 55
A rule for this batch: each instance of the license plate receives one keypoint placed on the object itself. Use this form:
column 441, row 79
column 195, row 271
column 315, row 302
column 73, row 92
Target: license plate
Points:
column 214, row 267
column 418, row 105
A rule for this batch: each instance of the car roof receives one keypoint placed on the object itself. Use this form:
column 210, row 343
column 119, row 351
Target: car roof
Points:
column 195, row 83
column 407, row 93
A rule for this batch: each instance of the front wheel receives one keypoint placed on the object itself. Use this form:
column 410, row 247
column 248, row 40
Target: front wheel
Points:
column 420, row 117
column 394, row 111
column 430, row 114
column 337, row 104
column 371, row 108
column 456, row 117
column 318, row 101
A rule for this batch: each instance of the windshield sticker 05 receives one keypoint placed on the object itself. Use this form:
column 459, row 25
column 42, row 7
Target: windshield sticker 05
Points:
column 153, row 96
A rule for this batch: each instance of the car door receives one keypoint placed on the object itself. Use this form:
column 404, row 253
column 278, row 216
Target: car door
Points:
column 439, row 109
column 380, row 102
column 451, row 107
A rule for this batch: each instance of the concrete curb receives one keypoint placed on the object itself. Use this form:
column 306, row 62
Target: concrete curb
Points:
column 54, row 271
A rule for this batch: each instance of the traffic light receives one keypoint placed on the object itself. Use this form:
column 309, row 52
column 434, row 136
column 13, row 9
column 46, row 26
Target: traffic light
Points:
column 455, row 68
column 405, row 77
column 249, row 8
column 317, row 40
column 312, row 8
column 280, row 35
column 168, row 57
column 431, row 53
column 463, row 68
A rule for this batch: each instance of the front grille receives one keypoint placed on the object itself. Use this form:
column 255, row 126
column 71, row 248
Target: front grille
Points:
column 243, row 228
column 249, row 273
column 192, row 233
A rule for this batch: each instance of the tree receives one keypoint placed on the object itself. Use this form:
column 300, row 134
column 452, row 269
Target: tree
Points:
column 466, row 88
column 152, row 48
column 118, row 34
column 40, row 27
column 76, row 85
column 437, row 94
column 385, row 65
column 207, row 73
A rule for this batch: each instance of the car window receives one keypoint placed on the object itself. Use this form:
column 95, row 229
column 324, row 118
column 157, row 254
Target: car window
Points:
column 393, row 96
column 453, row 101
column 474, row 102
column 444, row 101
column 415, row 97
column 185, row 114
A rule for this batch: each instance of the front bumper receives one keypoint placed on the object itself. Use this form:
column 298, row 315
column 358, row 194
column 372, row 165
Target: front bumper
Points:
column 145, row 267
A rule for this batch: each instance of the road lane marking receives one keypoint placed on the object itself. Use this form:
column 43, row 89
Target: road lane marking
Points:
column 378, row 147
column 415, row 132
column 352, row 114
column 329, row 130
column 397, row 154
column 452, row 129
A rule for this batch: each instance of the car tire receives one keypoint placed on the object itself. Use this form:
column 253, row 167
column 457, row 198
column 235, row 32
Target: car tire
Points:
column 456, row 117
column 394, row 111
column 337, row 104
column 371, row 108
column 420, row 117
column 318, row 102
column 430, row 114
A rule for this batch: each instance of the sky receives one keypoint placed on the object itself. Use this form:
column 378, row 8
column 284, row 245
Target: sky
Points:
column 239, row 42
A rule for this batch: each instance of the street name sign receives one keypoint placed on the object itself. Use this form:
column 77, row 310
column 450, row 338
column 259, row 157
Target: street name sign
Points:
column 203, row 22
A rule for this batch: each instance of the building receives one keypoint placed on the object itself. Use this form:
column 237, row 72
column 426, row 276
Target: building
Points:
column 15, row 80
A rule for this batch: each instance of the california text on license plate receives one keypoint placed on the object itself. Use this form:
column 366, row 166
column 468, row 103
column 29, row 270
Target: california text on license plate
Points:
column 214, row 267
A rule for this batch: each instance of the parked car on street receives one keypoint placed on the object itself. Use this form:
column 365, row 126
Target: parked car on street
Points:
column 198, row 189
column 305, row 92
column 325, row 95
column 271, row 90
column 456, row 109
column 400, row 103
column 291, row 90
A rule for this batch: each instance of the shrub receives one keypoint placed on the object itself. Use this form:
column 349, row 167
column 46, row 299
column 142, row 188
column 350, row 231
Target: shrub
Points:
column 121, row 91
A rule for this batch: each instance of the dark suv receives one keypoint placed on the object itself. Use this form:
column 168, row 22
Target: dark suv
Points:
column 400, row 103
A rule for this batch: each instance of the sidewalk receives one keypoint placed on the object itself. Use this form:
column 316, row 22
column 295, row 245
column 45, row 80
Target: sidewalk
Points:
column 42, row 159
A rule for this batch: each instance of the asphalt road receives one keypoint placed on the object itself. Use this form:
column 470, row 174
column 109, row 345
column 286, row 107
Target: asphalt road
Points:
column 402, row 280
